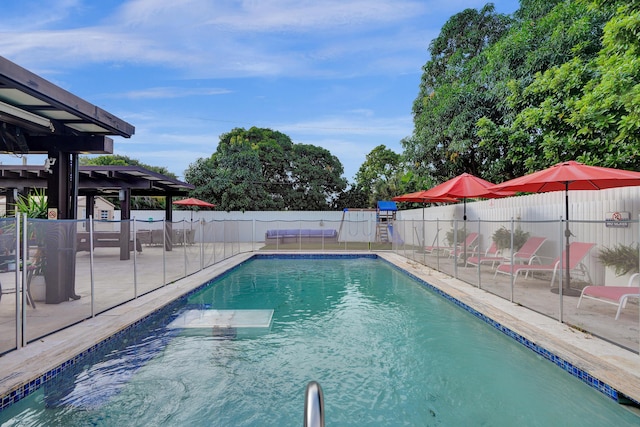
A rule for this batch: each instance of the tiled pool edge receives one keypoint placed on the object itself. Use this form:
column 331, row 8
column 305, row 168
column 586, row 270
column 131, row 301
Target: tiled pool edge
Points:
column 24, row 390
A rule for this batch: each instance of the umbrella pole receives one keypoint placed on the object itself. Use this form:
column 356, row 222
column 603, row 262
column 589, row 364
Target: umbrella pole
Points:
column 464, row 216
column 566, row 285
column 567, row 234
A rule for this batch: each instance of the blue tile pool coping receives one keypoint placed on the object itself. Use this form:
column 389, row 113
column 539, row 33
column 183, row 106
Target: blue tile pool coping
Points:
column 25, row 390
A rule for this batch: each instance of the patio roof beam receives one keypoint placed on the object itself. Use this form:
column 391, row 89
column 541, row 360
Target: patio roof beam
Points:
column 14, row 76
column 94, row 144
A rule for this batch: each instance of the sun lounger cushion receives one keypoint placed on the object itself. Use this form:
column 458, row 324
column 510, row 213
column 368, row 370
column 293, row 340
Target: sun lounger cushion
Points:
column 616, row 295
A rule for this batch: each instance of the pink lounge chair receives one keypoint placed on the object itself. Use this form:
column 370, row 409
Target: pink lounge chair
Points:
column 469, row 240
column 526, row 254
column 434, row 247
column 491, row 255
column 577, row 252
column 469, row 245
column 615, row 295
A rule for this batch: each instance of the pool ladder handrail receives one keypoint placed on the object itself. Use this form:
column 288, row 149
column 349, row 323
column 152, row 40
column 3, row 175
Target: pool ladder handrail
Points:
column 313, row 405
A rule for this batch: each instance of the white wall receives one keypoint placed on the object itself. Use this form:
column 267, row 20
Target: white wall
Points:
column 358, row 225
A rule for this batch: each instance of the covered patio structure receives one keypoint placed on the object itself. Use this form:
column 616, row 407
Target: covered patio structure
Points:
column 38, row 117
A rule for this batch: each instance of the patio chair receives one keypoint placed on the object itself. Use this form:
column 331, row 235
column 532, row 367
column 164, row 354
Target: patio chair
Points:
column 434, row 247
column 30, row 300
column 527, row 254
column 491, row 255
column 469, row 245
column 577, row 252
column 615, row 295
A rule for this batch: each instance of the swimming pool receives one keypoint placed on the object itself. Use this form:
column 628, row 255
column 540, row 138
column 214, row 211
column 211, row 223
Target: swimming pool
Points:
column 386, row 350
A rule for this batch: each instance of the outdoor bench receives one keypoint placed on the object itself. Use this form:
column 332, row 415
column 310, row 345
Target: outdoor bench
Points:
column 301, row 235
column 103, row 239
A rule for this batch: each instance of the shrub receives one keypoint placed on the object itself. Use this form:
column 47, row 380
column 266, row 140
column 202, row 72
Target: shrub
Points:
column 462, row 234
column 502, row 238
column 622, row 258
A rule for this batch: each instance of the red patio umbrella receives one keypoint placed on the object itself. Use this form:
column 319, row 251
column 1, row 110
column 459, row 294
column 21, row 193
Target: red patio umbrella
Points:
column 420, row 197
column 466, row 186
column 567, row 176
column 192, row 201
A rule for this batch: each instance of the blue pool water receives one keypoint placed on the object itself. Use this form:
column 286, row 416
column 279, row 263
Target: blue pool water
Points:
column 386, row 350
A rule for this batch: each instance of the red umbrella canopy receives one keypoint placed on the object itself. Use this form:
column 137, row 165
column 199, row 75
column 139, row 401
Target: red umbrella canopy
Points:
column 466, row 186
column 191, row 201
column 567, row 176
column 571, row 175
column 420, row 197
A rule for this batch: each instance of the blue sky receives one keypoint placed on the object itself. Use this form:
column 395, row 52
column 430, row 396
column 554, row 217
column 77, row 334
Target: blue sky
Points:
column 340, row 74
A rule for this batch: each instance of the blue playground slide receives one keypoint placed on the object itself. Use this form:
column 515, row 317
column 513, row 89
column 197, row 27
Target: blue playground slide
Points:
column 393, row 236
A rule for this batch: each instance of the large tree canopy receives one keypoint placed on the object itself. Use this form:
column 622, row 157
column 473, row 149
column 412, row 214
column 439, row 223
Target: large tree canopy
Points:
column 452, row 97
column 262, row 169
column 502, row 96
column 540, row 91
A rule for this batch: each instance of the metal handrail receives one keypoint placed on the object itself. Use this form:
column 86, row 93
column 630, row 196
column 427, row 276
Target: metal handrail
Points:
column 313, row 405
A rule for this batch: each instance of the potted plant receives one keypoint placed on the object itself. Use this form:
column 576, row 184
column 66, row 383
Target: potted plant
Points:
column 621, row 262
column 450, row 236
column 35, row 206
column 502, row 238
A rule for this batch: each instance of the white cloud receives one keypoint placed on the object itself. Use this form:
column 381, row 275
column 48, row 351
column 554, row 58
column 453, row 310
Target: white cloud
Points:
column 363, row 124
column 170, row 92
column 226, row 39
column 267, row 15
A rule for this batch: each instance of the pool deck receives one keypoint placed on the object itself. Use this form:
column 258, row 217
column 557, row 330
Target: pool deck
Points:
column 609, row 363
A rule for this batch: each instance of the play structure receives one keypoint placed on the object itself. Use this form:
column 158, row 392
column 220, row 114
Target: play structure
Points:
column 357, row 219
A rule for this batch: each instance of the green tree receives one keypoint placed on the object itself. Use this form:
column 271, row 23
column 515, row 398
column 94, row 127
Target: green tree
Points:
column 316, row 178
column 453, row 97
column 352, row 197
column 262, row 169
column 232, row 178
column 378, row 177
column 539, row 70
column 607, row 117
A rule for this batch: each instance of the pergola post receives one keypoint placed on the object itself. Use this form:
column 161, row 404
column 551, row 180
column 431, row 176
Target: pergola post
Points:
column 60, row 239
